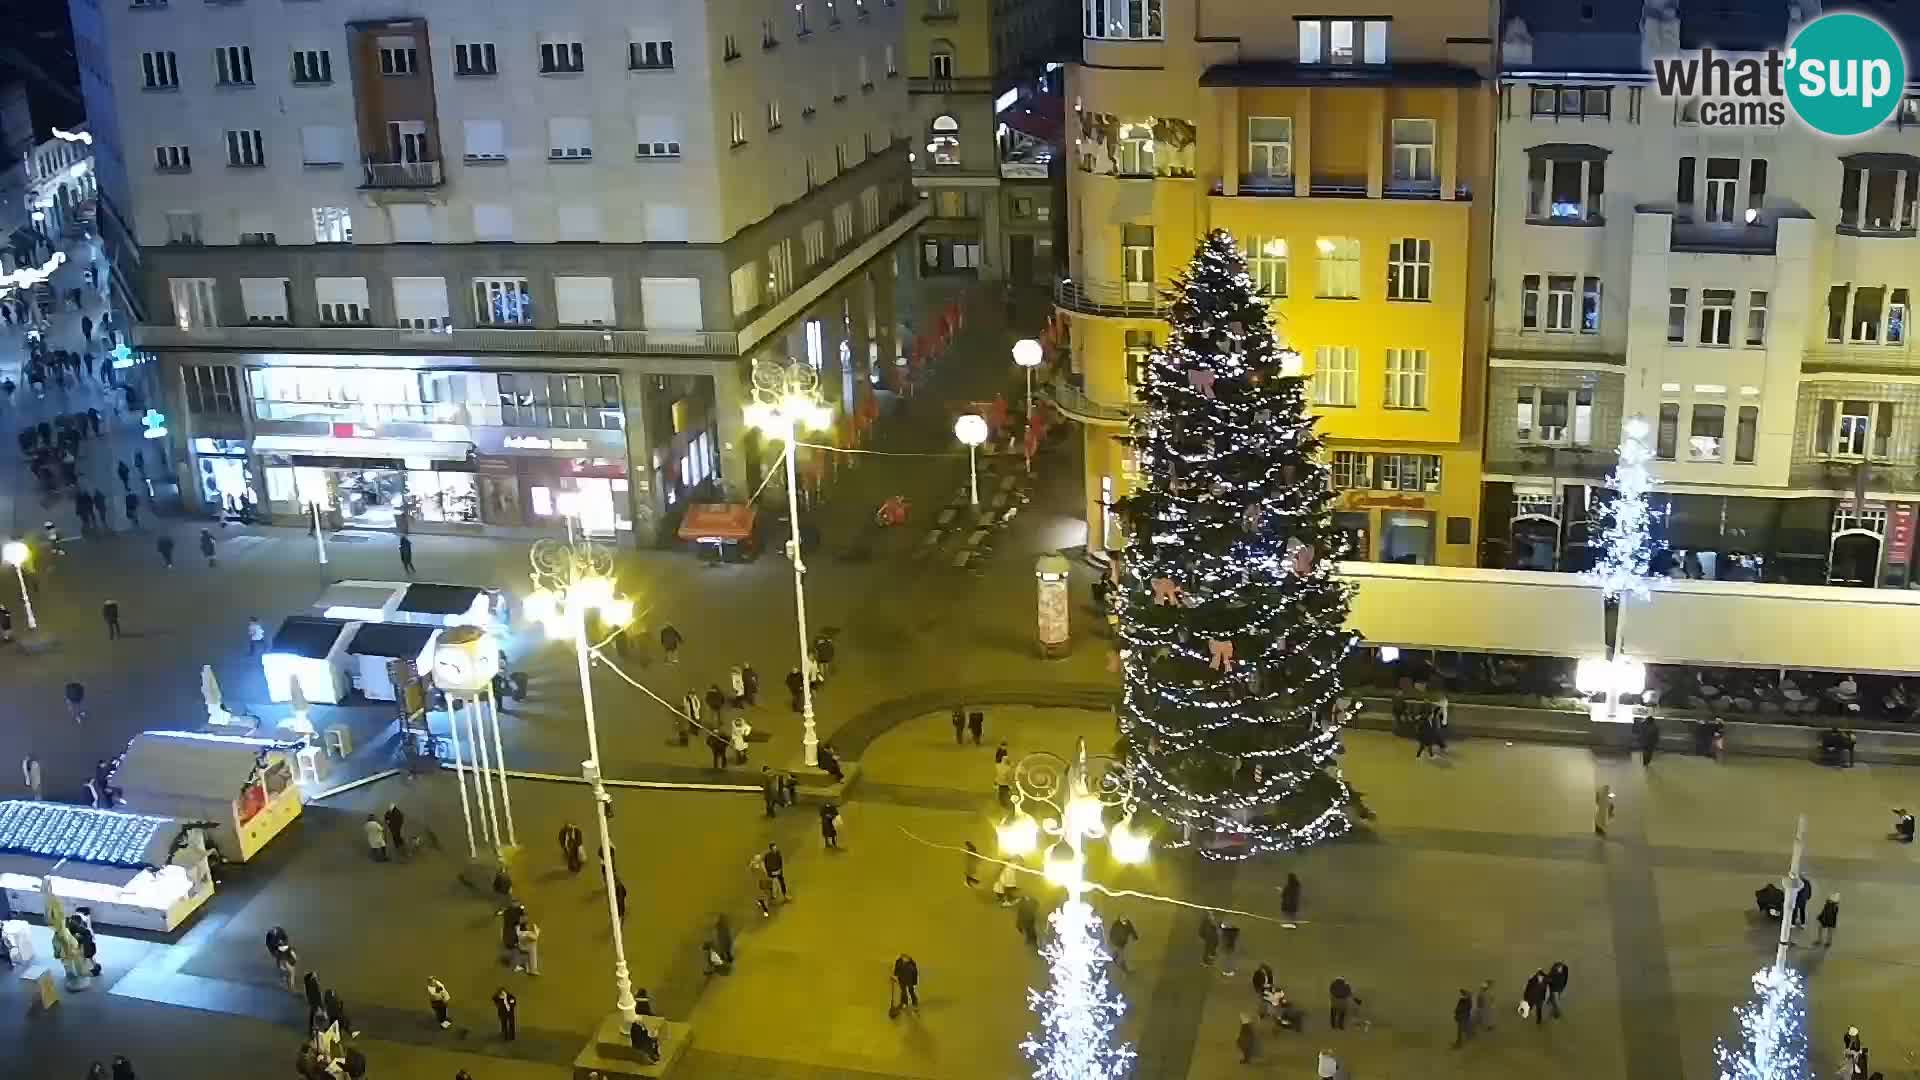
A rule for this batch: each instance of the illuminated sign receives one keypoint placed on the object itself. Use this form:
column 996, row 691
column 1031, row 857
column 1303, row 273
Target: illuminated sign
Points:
column 155, row 422
column 535, row 442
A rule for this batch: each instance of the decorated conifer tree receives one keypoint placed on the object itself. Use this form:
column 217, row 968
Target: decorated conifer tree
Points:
column 1231, row 618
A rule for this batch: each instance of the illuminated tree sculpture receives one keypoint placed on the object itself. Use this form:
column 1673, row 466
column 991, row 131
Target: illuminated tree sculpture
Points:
column 1626, row 521
column 1231, row 618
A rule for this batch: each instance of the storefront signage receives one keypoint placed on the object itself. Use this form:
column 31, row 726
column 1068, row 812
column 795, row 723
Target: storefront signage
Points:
column 354, row 431
column 1900, row 535
column 1359, row 501
column 536, row 442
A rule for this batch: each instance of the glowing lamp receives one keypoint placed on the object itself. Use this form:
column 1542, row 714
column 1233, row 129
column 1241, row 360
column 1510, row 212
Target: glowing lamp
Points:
column 1083, row 817
column 619, row 612
column 541, row 605
column 1065, row 867
column 1018, row 834
column 1027, row 352
column 1389, row 654
column 1127, row 844
column 15, row 553
column 593, row 592
column 1636, row 428
column 970, row 429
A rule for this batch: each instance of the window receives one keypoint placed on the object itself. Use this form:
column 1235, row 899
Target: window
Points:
column 212, row 388
column 1854, row 429
column 767, row 38
column 183, row 227
column 1413, row 150
column 649, row 55
column 1716, row 316
column 866, row 74
column 729, row 48
column 1757, row 319
column 1136, row 261
column 583, row 301
column 773, row 114
column 1554, row 416
column 323, row 145
column 1590, row 306
column 410, row 223
column 1577, row 102
column 332, row 225
column 842, row 225
column 1267, row 261
column 342, row 301
column 1878, row 199
column 738, row 136
column 420, row 303
column 557, row 57
column 580, row 224
column 1706, row 432
column 1269, row 148
column 944, row 147
column 569, row 138
column 658, row 137
column 668, row 223
column 193, row 303
column 1666, row 437
column 1564, row 190
column 1139, row 352
column 1339, row 265
column 234, row 64
column 502, row 302
column 670, row 303
column 258, row 238
column 1867, row 315
column 1676, row 314
column 399, row 56
column 813, row 243
column 486, row 140
column 1122, row 19
column 245, row 149
column 744, row 283
column 1343, row 41
column 870, row 209
column 475, row 58
column 264, row 300
column 1406, row 379
column 312, row 66
column 175, row 159
column 780, row 269
column 1530, row 302
column 1134, row 154
column 160, row 70
column 1336, row 376
column 1723, row 183
column 1349, row 469
column 1745, row 434
column 893, row 62
column 492, row 222
column 800, row 27
column 1406, row 472
column 1560, row 303
column 1410, row 270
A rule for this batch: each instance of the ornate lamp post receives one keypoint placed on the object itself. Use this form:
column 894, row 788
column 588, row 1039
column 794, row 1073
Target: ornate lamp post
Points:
column 16, row 555
column 1078, row 1010
column 786, row 402
column 972, row 430
column 1027, row 353
column 570, row 582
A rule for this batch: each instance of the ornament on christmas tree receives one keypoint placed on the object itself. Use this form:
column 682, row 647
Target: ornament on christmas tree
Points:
column 1299, row 558
column 1165, row 591
column 1201, row 379
column 1220, row 655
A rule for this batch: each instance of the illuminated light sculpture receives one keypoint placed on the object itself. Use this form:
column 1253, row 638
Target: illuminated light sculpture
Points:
column 16, row 554
column 1773, row 1024
column 1231, row 616
column 1626, row 547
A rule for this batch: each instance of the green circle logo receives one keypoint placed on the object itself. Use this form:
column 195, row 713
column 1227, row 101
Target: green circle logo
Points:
column 1845, row 74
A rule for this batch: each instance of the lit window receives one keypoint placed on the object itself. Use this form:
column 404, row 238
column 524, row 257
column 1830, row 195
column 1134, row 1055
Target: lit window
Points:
column 1339, row 266
column 1267, row 261
column 1406, row 379
column 1336, row 376
column 1410, row 269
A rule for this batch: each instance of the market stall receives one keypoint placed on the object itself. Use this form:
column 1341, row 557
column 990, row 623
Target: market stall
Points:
column 427, row 603
column 721, row 529
column 312, row 650
column 376, row 645
column 244, row 786
column 129, row 869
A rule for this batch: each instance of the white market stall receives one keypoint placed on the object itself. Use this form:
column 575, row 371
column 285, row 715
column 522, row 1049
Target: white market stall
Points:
column 244, row 786
column 130, row 869
column 312, row 650
column 374, row 645
column 426, row 603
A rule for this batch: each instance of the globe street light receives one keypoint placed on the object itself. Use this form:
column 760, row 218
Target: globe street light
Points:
column 571, row 582
column 972, row 430
column 16, row 555
column 1027, row 353
column 785, row 402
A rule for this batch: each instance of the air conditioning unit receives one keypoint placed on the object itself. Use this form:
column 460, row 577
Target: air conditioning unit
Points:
column 659, row 150
column 570, row 153
column 486, row 157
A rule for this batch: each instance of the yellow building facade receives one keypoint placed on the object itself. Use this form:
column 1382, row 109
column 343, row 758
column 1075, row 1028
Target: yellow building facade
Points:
column 1350, row 158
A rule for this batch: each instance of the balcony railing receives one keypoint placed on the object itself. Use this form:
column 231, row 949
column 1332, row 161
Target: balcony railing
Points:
column 1839, row 475
column 957, row 84
column 1074, row 402
column 402, row 174
column 1117, row 299
column 392, row 339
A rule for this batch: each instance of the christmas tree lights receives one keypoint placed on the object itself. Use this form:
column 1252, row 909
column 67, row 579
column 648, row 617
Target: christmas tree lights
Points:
column 1231, row 618
column 1078, row 1010
column 1773, row 1031
column 1626, row 522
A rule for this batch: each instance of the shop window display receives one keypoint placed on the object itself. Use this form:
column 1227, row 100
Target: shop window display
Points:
column 443, row 496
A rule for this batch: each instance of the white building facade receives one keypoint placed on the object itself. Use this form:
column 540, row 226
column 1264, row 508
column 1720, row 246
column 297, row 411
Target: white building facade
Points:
column 482, row 268
column 1745, row 290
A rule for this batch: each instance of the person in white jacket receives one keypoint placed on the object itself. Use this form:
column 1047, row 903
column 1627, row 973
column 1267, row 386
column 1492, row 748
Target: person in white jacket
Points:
column 438, row 999
column 741, row 729
column 30, row 772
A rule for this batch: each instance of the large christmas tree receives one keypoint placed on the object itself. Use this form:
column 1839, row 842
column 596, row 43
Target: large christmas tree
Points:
column 1230, row 615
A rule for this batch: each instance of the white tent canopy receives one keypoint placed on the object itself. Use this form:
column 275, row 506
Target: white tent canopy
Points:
column 1493, row 611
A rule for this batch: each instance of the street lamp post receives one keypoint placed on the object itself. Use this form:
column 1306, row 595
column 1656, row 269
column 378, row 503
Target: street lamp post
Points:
column 1027, row 353
column 972, row 430
column 785, row 403
column 572, row 581
column 16, row 554
column 319, row 534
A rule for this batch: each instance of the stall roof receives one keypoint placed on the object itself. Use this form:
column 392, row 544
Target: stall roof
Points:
column 404, row 640
column 106, row 837
column 190, row 764
column 308, row 636
column 1753, row 624
column 1471, row 610
column 358, row 595
column 431, row 599
column 717, row 521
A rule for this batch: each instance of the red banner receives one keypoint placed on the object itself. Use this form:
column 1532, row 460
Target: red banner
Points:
column 1900, row 534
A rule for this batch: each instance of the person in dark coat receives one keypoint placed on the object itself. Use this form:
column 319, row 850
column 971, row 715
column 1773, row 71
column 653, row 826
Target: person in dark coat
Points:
column 571, row 841
column 723, row 937
column 976, row 724
column 959, row 725
column 122, row 1069
column 1649, row 739
column 406, row 555
column 207, row 549
column 795, row 688
column 1462, row 1019
column 505, row 1006
column 165, row 545
column 670, row 640
column 644, row 1041
column 1026, row 919
column 1209, row 937
column 1828, row 918
column 1119, row 936
column 395, row 820
column 316, row 1003
column 829, row 763
column 716, row 701
column 830, row 824
column 337, row 1012
column 1557, row 977
column 133, row 510
column 1246, row 1041
column 906, row 975
column 776, row 867
column 1290, row 897
column 1535, row 995
column 717, row 747
column 1800, row 898
column 126, row 477
column 750, row 682
column 1339, row 995
column 110, row 611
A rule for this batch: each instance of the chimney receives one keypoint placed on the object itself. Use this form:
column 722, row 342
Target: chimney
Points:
column 1659, row 30
column 1516, row 45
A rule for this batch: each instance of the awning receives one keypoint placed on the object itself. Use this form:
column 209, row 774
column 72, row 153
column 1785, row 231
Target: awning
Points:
column 1454, row 608
column 328, row 446
column 1754, row 624
column 717, row 521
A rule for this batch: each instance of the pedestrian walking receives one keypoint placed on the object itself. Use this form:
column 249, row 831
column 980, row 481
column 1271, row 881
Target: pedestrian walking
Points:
column 1426, row 732
column 122, row 1068
column 1462, row 1018
column 959, row 726
column 723, row 937
column 1483, row 1007
column 99, row 505
column 769, row 789
column 670, row 643
column 376, row 834
column 970, row 864
column 30, row 773
column 776, row 866
column 337, row 1013
column 256, row 635
column 1828, row 918
column 1229, row 944
column 1533, row 997
column 737, row 683
column 1120, row 935
column 906, row 977
column 406, row 554
column 762, row 886
column 83, row 506
column 315, row 1003
column 133, row 510
column 830, row 825
column 1003, row 781
column 76, row 701
column 165, row 546
column 1290, row 897
column 1602, row 808
column 110, row 613
column 620, row 897
column 396, row 822
column 737, row 738
column 1557, row 977
column 796, row 689
column 528, row 942
column 140, row 464
column 1209, row 937
column 822, row 659
column 126, row 476
column 717, row 747
column 1246, row 1041
column 976, row 725
column 287, row 963
column 438, row 999
column 1649, row 739
column 504, row 1006
column 750, row 683
column 571, row 841
column 86, row 328
column 1026, row 919
column 1340, row 997
column 1006, row 887
column 1800, row 898
column 716, row 701
column 207, row 548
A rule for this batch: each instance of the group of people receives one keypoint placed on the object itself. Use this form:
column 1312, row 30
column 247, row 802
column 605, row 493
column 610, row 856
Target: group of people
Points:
column 326, row 1055
column 386, row 835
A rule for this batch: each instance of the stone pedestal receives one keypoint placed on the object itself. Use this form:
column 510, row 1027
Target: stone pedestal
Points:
column 812, row 785
column 611, row 1053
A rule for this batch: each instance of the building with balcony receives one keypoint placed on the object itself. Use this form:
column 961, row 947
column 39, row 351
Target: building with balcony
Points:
column 1350, row 156
column 1743, row 289
column 984, row 81
column 483, row 269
